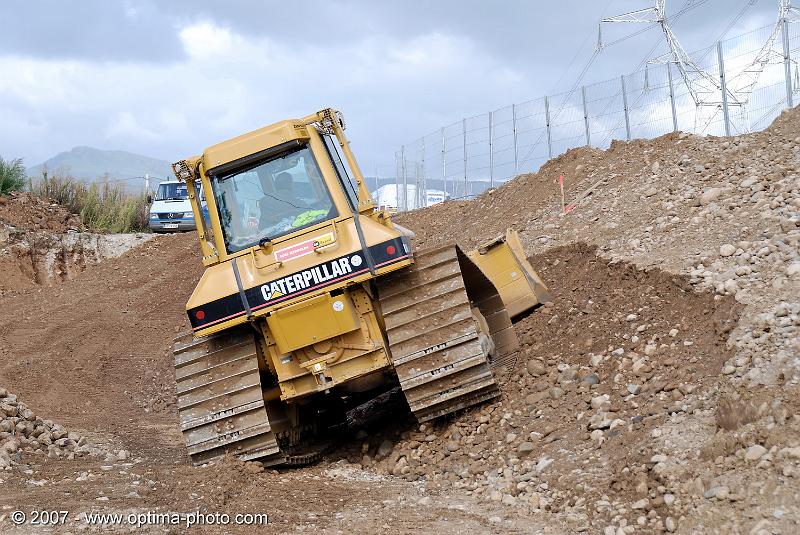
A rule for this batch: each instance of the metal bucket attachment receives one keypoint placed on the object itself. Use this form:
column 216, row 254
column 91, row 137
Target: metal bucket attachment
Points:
column 503, row 262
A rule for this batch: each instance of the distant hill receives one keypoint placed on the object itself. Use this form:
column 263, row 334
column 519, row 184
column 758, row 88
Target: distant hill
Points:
column 92, row 164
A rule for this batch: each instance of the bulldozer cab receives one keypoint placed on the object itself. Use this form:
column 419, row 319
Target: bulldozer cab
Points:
column 275, row 182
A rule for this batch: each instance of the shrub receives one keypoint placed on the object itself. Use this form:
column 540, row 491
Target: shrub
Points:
column 12, row 176
column 105, row 206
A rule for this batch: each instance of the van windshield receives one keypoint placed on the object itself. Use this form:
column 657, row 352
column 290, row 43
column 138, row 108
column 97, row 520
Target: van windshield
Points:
column 271, row 198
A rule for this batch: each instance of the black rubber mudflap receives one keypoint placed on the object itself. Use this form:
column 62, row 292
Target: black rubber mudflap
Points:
column 441, row 357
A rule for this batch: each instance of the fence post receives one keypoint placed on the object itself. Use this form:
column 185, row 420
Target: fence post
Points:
column 464, row 131
column 625, row 107
column 491, row 152
column 444, row 162
column 787, row 63
column 585, row 116
column 405, row 177
column 724, row 89
column 424, row 198
column 672, row 98
column 547, row 123
column 514, row 130
column 396, row 182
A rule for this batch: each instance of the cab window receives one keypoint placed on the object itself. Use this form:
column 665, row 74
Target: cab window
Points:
column 271, row 198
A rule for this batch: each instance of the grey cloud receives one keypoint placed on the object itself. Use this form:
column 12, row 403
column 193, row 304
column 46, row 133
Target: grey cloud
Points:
column 95, row 30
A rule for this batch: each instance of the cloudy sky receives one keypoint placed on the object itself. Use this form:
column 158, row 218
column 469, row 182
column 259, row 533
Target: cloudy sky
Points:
column 167, row 78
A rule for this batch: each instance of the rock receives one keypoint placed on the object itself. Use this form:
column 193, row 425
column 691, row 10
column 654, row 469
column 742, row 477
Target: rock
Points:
column 727, row 250
column 511, row 437
column 399, row 466
column 641, row 504
column 123, row 455
column 598, row 402
column 633, row 388
column 631, row 317
column 385, row 448
column 591, row 379
column 11, row 445
column 556, row 392
column 452, row 446
column 755, row 452
column 535, row 398
column 793, row 269
column 792, row 453
column 525, row 448
column 536, row 367
column 570, row 374
column 720, row 492
column 669, row 524
column 8, row 409
column 710, row 196
column 424, row 501
column 543, row 464
column 669, row 499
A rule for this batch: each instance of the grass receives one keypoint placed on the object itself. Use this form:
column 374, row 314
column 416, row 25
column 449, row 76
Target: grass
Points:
column 12, row 176
column 104, row 206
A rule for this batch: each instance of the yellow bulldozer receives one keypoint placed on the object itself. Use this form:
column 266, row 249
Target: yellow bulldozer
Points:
column 313, row 302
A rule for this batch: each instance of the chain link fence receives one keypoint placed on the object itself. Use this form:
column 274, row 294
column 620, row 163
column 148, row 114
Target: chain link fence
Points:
column 459, row 161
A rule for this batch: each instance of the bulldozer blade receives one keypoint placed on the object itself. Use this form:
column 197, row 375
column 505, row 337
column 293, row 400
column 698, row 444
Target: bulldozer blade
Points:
column 503, row 262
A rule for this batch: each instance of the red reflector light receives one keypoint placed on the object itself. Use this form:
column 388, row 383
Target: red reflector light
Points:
column 200, row 315
column 390, row 250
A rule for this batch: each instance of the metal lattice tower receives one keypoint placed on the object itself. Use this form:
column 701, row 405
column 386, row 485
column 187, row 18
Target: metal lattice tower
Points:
column 743, row 82
column 705, row 88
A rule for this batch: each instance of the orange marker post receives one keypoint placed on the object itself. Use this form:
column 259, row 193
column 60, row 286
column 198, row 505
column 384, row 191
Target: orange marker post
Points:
column 565, row 209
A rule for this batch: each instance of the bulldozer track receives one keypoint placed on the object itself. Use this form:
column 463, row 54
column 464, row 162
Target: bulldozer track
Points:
column 220, row 399
column 440, row 354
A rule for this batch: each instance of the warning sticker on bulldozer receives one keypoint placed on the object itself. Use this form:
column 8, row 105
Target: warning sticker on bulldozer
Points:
column 303, row 248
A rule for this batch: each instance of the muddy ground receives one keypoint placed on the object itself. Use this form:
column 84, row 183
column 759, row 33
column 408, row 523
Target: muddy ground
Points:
column 658, row 392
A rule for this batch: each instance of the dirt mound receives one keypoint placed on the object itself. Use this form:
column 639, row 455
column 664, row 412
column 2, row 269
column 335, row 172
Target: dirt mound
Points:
column 42, row 243
column 724, row 214
column 107, row 333
column 30, row 212
column 618, row 352
column 44, row 258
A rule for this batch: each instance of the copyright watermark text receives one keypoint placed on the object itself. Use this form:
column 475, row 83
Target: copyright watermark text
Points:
column 146, row 518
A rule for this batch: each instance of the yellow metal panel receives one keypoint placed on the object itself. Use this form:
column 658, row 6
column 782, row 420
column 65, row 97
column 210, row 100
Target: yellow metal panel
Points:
column 503, row 262
column 312, row 321
column 253, row 142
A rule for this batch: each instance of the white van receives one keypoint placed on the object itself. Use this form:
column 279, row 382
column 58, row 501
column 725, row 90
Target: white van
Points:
column 171, row 210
